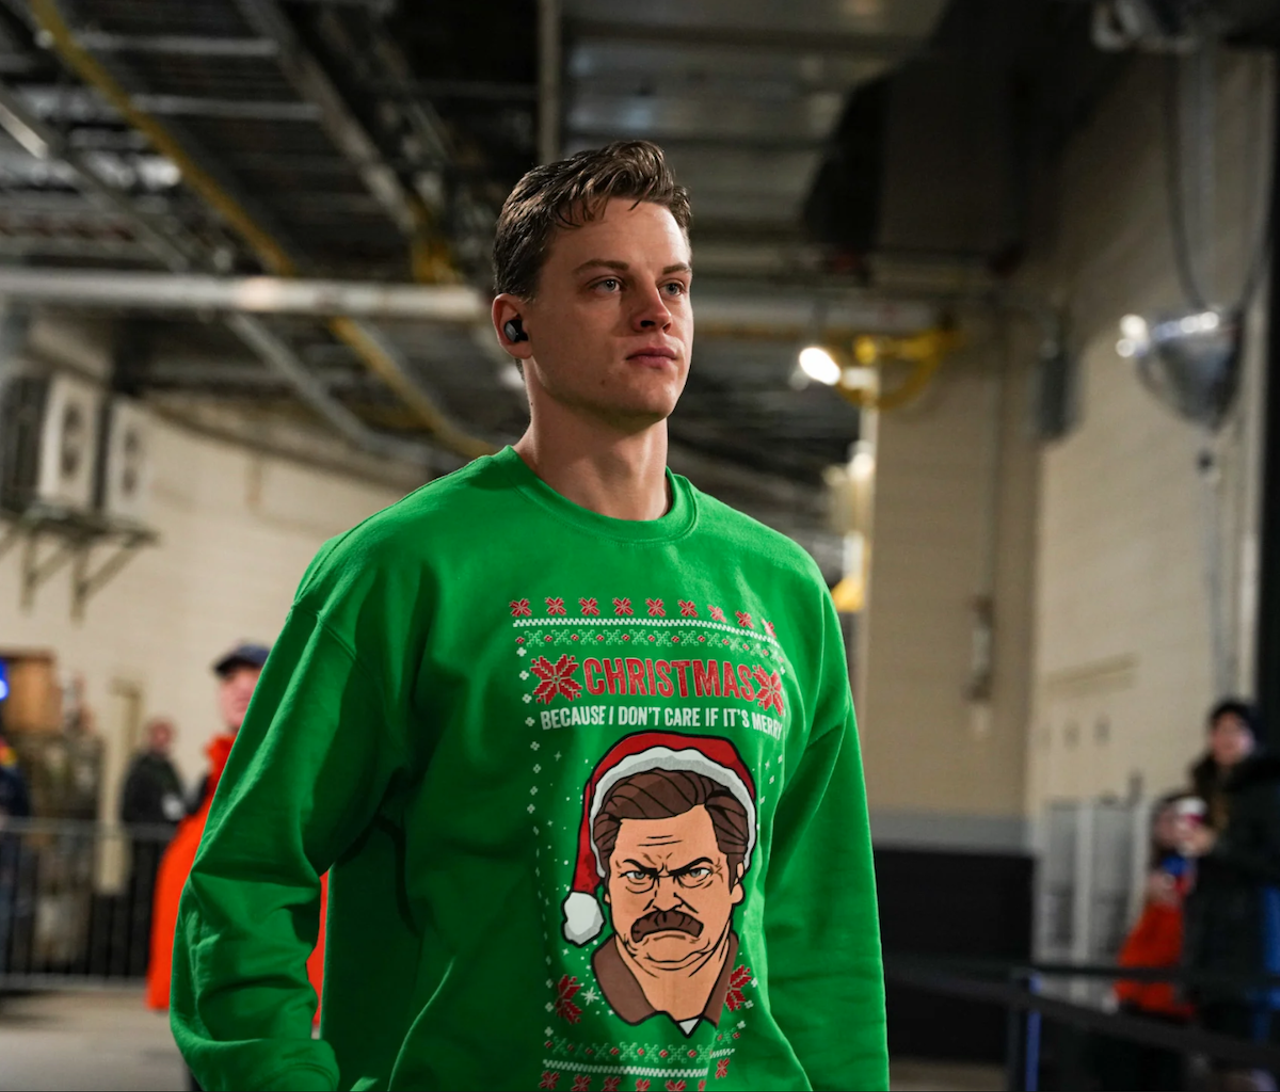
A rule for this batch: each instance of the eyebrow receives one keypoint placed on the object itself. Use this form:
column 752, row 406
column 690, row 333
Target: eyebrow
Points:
column 623, row 267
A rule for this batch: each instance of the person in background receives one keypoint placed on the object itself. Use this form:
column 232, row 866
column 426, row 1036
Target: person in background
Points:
column 15, row 803
column 1233, row 912
column 1156, row 942
column 151, row 804
column 237, row 674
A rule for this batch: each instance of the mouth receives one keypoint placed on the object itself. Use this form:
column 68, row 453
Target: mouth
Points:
column 653, row 356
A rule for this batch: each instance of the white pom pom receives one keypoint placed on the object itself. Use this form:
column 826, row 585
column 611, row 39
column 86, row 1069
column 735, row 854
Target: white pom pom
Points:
column 582, row 918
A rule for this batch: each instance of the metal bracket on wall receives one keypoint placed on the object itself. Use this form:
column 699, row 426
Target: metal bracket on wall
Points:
column 76, row 535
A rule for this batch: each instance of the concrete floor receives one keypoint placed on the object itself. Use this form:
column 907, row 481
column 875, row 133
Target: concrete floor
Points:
column 108, row 1040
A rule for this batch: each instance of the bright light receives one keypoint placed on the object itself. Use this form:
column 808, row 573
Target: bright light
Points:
column 1135, row 328
column 1126, row 347
column 861, row 379
column 817, row 364
column 863, row 466
column 4, row 689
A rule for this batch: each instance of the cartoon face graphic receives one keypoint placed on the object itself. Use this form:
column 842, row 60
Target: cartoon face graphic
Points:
column 670, row 836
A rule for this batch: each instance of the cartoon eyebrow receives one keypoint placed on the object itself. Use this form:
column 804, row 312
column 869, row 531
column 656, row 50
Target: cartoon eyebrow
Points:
column 636, row 866
column 684, row 870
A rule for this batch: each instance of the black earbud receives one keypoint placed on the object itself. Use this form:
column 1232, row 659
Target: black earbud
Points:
column 514, row 329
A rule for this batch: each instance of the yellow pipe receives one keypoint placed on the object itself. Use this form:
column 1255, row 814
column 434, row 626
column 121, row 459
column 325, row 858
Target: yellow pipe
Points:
column 427, row 260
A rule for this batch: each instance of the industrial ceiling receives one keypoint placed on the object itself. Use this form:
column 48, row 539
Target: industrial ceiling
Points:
column 372, row 141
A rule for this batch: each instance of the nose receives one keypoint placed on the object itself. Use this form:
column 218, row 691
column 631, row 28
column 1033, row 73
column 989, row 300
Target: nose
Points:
column 667, row 896
column 651, row 312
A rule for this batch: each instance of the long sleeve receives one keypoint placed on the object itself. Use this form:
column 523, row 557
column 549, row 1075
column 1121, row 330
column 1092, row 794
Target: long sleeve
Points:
column 826, row 979
column 312, row 764
column 1254, row 851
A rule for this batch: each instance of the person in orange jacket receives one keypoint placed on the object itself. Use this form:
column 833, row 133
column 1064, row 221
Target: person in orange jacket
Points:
column 1155, row 941
column 238, row 673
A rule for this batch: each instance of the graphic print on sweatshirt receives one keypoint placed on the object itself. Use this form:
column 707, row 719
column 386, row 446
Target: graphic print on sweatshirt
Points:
column 656, row 749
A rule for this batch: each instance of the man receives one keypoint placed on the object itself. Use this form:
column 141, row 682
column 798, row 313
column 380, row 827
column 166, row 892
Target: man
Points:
column 1233, row 911
column 237, row 672
column 455, row 681
column 668, row 832
column 151, row 803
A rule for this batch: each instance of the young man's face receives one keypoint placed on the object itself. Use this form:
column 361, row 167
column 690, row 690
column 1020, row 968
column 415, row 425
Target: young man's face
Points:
column 611, row 327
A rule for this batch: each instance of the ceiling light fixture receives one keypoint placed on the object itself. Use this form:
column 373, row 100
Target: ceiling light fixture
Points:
column 818, row 364
column 1190, row 362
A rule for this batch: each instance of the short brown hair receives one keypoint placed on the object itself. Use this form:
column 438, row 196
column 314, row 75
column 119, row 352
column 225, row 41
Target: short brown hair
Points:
column 664, row 794
column 570, row 192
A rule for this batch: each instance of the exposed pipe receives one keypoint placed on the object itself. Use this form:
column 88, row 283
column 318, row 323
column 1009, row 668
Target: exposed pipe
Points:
column 270, row 252
column 126, row 289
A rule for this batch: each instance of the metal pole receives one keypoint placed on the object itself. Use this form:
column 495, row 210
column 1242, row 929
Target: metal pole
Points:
column 1268, row 617
column 549, row 107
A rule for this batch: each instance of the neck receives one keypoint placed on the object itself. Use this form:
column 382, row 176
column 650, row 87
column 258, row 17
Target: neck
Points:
column 602, row 467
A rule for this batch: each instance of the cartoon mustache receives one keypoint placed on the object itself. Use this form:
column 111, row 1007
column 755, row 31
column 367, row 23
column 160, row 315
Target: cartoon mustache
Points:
column 664, row 920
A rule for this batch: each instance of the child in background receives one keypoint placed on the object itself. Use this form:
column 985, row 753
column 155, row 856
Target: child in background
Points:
column 1156, row 942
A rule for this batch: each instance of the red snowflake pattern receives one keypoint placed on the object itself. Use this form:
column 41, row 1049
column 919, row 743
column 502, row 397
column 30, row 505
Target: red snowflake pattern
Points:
column 687, row 609
column 717, row 614
column 581, row 1083
column 642, row 1084
column 555, row 606
column 769, row 693
column 768, row 628
column 557, row 679
column 611, row 1084
column 722, row 1068
column 589, row 606
column 702, row 1086
column 737, row 982
column 565, row 1007
column 520, row 608
column 622, row 606
column 677, row 1086
column 656, row 609
column 744, row 619
column 549, row 1080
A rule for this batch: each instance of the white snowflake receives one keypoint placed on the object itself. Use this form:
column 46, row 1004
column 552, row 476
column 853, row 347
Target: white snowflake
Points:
column 528, row 698
column 536, row 831
column 771, row 780
column 549, row 1033
column 535, row 744
column 748, row 1004
column 529, row 809
column 755, row 982
column 523, row 675
column 590, row 996
column 533, row 791
column 522, row 652
column 741, row 1024
column 550, row 983
column 557, row 756
column 549, row 1007
column 537, row 768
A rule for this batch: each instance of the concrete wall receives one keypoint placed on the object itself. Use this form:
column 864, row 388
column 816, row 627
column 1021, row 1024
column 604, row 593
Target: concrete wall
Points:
column 236, row 530
column 954, row 516
column 1124, row 659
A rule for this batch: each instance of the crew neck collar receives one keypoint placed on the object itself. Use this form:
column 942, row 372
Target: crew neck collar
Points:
column 678, row 520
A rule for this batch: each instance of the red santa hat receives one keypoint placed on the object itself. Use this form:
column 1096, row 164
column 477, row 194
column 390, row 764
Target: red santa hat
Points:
column 715, row 758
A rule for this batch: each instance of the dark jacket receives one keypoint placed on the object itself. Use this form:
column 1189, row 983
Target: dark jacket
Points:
column 151, row 781
column 1233, row 915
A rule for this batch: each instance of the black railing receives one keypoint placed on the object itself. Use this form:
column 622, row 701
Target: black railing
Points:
column 75, row 902
column 1018, row 988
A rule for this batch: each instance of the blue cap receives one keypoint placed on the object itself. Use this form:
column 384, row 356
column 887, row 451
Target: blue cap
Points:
column 243, row 655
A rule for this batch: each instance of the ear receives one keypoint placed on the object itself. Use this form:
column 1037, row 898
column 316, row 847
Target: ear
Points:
column 505, row 308
column 738, row 892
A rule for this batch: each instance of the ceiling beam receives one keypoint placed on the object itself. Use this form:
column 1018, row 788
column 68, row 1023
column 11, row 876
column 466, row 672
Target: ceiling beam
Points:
column 178, row 45
column 312, row 82
column 888, row 47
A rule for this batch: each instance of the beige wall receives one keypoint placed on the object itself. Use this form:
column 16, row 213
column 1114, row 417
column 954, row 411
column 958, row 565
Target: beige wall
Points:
column 236, row 532
column 954, row 514
column 1123, row 667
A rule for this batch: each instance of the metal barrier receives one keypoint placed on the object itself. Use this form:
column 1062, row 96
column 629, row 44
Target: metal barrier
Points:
column 1018, row 988
column 75, row 902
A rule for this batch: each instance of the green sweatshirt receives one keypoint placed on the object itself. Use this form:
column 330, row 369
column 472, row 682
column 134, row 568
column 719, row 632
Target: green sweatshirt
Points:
column 590, row 798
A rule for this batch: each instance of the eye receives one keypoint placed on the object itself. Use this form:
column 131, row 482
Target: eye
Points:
column 676, row 288
column 699, row 873
column 635, row 876
column 609, row 284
